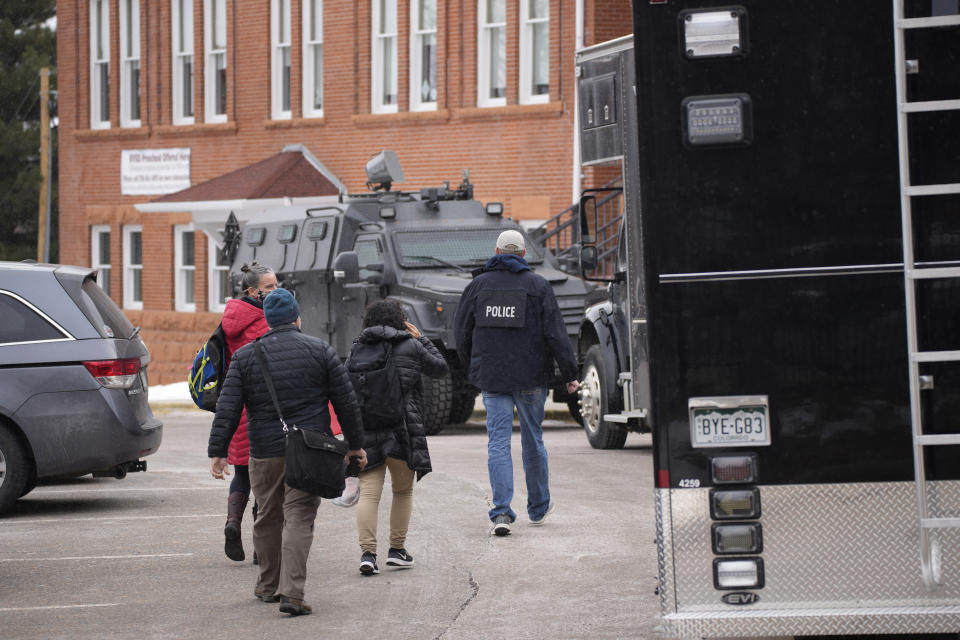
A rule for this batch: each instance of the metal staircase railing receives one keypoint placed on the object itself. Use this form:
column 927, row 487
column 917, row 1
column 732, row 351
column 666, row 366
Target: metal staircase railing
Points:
column 560, row 235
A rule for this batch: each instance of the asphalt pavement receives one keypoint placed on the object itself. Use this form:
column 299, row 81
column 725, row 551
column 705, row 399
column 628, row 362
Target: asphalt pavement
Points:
column 143, row 557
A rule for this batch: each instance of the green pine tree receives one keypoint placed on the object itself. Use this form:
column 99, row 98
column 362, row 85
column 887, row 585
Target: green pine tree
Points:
column 27, row 43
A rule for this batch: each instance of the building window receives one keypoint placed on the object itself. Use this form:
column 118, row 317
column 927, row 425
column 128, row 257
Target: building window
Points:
column 215, row 69
column 129, row 63
column 219, row 281
column 184, row 260
column 492, row 54
column 423, row 55
column 99, row 64
column 534, row 51
column 312, row 58
column 182, row 39
column 100, row 254
column 133, row 267
column 384, row 67
column 280, row 55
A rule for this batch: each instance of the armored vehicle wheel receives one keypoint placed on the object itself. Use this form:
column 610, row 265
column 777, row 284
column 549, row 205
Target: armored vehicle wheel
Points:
column 462, row 406
column 14, row 468
column 437, row 396
column 598, row 397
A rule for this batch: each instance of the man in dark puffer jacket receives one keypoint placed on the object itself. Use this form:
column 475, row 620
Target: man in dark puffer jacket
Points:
column 307, row 374
column 401, row 448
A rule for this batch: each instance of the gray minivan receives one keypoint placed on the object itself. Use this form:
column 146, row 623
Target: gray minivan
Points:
column 73, row 380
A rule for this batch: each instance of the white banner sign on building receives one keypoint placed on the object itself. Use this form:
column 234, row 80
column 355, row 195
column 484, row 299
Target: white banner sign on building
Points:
column 154, row 171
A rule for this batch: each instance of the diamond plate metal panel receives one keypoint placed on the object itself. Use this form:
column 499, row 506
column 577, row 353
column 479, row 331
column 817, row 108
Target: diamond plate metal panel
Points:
column 665, row 586
column 765, row 623
column 838, row 558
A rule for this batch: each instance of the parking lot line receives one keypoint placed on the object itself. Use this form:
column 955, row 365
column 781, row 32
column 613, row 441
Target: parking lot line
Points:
column 60, row 606
column 128, row 556
column 108, row 518
column 42, row 492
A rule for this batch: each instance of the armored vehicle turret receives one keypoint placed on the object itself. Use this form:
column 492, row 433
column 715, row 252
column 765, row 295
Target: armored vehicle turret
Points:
column 415, row 247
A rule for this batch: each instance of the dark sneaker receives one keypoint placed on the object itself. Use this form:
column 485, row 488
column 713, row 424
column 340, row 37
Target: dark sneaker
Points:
column 294, row 607
column 263, row 596
column 501, row 525
column 536, row 522
column 368, row 564
column 399, row 558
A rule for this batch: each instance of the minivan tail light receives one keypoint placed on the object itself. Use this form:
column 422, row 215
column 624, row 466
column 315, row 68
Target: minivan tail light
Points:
column 114, row 374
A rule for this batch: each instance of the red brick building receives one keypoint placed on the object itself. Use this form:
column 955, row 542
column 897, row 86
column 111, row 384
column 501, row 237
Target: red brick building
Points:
column 159, row 95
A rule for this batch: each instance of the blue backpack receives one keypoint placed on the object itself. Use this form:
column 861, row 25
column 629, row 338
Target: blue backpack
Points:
column 208, row 371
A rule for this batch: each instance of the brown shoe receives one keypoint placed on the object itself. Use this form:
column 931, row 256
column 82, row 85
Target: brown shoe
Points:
column 263, row 596
column 294, row 607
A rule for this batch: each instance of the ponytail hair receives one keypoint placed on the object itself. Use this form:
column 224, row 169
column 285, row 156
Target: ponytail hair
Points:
column 252, row 273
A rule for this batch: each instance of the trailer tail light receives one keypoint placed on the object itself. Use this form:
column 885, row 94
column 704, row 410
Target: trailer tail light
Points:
column 114, row 374
column 734, row 469
column 740, row 573
column 717, row 120
column 663, row 479
column 735, row 504
column 737, row 538
column 708, row 34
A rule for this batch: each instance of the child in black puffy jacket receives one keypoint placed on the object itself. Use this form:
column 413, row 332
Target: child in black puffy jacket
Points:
column 400, row 445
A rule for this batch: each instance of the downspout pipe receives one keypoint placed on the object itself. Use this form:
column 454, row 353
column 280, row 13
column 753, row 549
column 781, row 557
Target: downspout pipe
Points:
column 577, row 180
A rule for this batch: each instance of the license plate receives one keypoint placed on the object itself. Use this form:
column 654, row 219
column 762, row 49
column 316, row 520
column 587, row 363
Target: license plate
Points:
column 734, row 421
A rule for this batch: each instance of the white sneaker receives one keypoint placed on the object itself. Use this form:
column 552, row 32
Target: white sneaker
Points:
column 537, row 523
column 351, row 493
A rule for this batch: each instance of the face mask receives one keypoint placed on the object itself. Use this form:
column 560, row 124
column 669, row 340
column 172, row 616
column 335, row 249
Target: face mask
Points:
column 261, row 295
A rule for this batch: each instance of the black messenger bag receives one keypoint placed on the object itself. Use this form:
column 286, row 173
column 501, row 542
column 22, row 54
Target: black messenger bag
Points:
column 315, row 461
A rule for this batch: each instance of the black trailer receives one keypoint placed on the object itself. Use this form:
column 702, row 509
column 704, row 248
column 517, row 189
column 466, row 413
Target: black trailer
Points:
column 615, row 389
column 794, row 253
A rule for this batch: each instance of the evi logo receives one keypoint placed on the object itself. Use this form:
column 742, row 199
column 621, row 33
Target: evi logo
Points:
column 740, row 597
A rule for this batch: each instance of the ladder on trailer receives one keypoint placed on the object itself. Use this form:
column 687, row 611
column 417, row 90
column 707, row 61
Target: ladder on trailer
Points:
column 929, row 552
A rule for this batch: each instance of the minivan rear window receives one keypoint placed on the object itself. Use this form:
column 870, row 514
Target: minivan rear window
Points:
column 22, row 324
column 105, row 316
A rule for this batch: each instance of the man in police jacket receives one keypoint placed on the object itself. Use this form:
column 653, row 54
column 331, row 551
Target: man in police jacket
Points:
column 509, row 332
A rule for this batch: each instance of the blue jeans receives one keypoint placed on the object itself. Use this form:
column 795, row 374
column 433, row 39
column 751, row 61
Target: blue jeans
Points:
column 499, row 407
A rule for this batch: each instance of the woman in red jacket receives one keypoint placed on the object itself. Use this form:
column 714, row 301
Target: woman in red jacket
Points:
column 243, row 322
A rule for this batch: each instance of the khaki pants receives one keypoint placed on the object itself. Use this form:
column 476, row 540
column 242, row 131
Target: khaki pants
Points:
column 371, row 487
column 283, row 532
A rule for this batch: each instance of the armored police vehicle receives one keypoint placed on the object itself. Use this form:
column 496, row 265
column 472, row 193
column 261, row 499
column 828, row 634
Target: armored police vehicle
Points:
column 415, row 247
column 789, row 280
